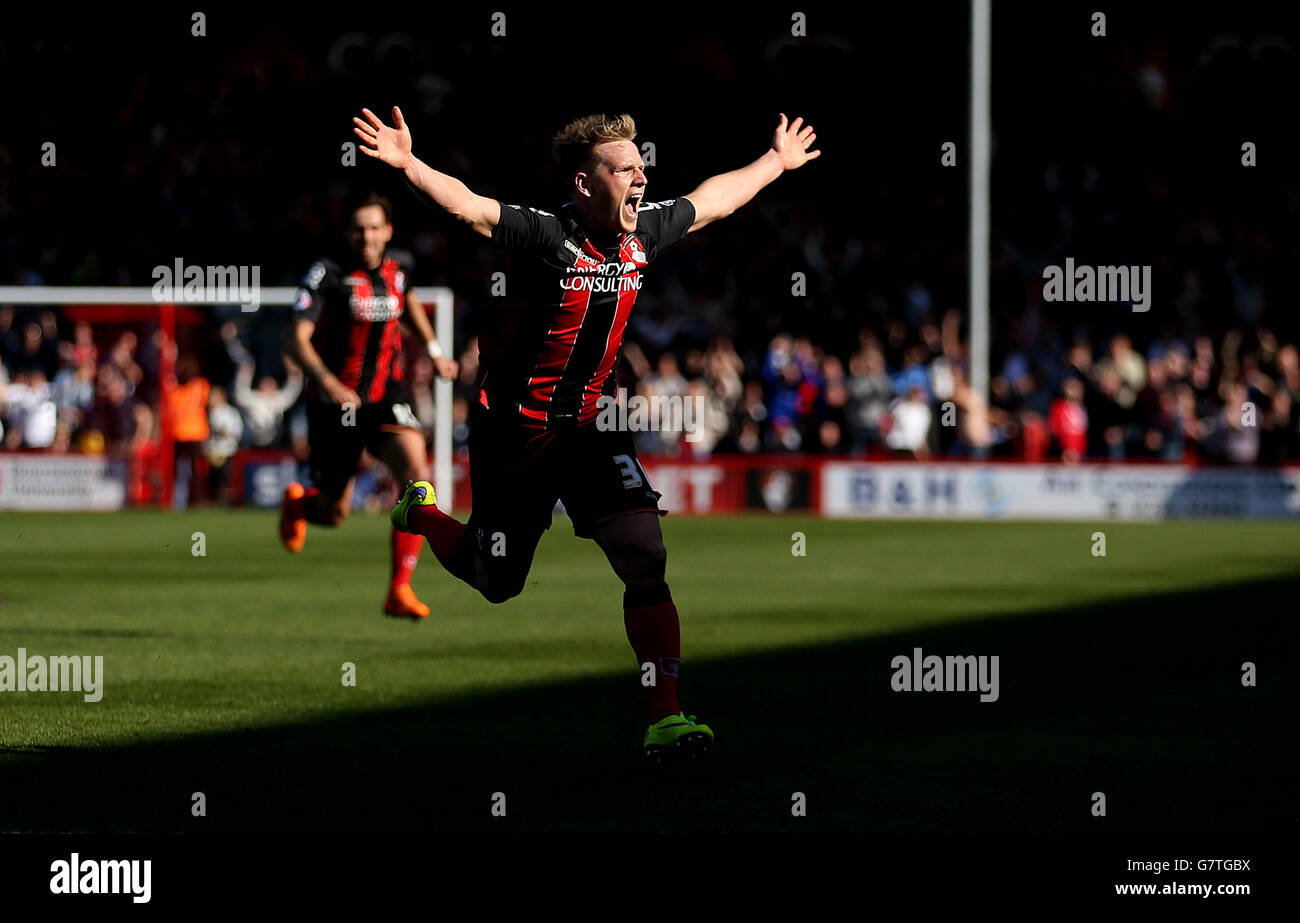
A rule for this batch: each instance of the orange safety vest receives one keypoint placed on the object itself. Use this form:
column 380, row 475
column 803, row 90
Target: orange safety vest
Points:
column 190, row 411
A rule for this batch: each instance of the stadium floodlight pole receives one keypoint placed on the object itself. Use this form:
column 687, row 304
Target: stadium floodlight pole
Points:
column 270, row 296
column 981, row 131
column 443, row 480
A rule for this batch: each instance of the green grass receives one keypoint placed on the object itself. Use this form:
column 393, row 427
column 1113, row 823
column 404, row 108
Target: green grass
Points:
column 222, row 675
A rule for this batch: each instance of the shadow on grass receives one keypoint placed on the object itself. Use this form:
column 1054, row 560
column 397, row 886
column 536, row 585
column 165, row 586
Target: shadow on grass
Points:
column 1140, row 699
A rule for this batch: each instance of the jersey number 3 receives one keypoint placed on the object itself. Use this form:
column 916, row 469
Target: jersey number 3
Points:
column 630, row 468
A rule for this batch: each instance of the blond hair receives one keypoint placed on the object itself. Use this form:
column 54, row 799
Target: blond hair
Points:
column 573, row 144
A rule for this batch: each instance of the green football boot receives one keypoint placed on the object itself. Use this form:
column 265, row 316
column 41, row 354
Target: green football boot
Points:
column 677, row 737
column 417, row 493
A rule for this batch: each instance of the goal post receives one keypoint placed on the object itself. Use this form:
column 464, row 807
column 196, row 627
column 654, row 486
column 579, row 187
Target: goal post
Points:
column 981, row 143
column 439, row 299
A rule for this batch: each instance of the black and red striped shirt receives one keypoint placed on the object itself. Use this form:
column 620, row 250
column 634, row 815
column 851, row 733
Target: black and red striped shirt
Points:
column 549, row 352
column 356, row 312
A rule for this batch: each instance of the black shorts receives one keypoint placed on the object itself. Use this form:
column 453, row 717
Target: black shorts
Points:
column 337, row 440
column 517, row 473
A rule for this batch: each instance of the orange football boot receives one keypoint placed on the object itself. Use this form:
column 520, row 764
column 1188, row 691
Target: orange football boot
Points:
column 293, row 529
column 402, row 603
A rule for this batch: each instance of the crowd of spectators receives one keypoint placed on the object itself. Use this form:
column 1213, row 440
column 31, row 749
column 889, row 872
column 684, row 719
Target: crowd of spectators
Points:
column 894, row 392
column 71, row 393
column 902, row 395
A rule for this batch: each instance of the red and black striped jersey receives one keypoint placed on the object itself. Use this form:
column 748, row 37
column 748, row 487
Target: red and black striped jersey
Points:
column 549, row 351
column 356, row 313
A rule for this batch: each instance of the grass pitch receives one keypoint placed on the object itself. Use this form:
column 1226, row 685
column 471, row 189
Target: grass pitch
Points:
column 223, row 675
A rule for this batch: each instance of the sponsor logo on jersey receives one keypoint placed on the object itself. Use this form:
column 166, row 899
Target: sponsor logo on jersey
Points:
column 375, row 307
column 603, row 269
column 602, row 284
column 588, row 276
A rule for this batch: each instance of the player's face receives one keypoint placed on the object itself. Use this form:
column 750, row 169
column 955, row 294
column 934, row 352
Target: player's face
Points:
column 617, row 184
column 368, row 235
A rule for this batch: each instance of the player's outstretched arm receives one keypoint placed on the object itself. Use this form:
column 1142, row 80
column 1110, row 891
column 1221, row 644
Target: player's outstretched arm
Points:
column 392, row 145
column 719, row 196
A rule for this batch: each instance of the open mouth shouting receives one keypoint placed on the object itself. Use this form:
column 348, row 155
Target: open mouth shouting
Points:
column 631, row 204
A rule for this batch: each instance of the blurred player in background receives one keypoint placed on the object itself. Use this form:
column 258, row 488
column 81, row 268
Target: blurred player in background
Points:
column 346, row 337
column 534, row 437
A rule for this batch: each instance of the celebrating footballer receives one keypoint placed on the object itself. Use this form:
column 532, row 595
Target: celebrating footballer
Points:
column 533, row 436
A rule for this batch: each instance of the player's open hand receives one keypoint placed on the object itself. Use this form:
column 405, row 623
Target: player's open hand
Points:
column 792, row 141
column 391, row 145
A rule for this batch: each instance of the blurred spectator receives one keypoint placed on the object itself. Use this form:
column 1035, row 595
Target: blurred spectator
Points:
column 663, row 389
column 723, row 369
column 909, row 424
column 974, row 432
column 1129, row 368
column 830, row 408
column 793, row 383
column 666, row 380
column 112, row 418
column 749, row 440
column 708, row 418
column 749, row 419
column 870, row 391
column 1191, row 432
column 121, row 358
column 1287, row 400
column 82, row 348
column 830, row 437
column 264, row 408
column 1068, row 422
column 1156, row 416
column 189, row 401
column 1004, row 416
column 74, row 392
column 37, row 354
column 225, row 429
column 1106, row 415
column 1229, row 438
column 30, row 410
column 914, row 374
